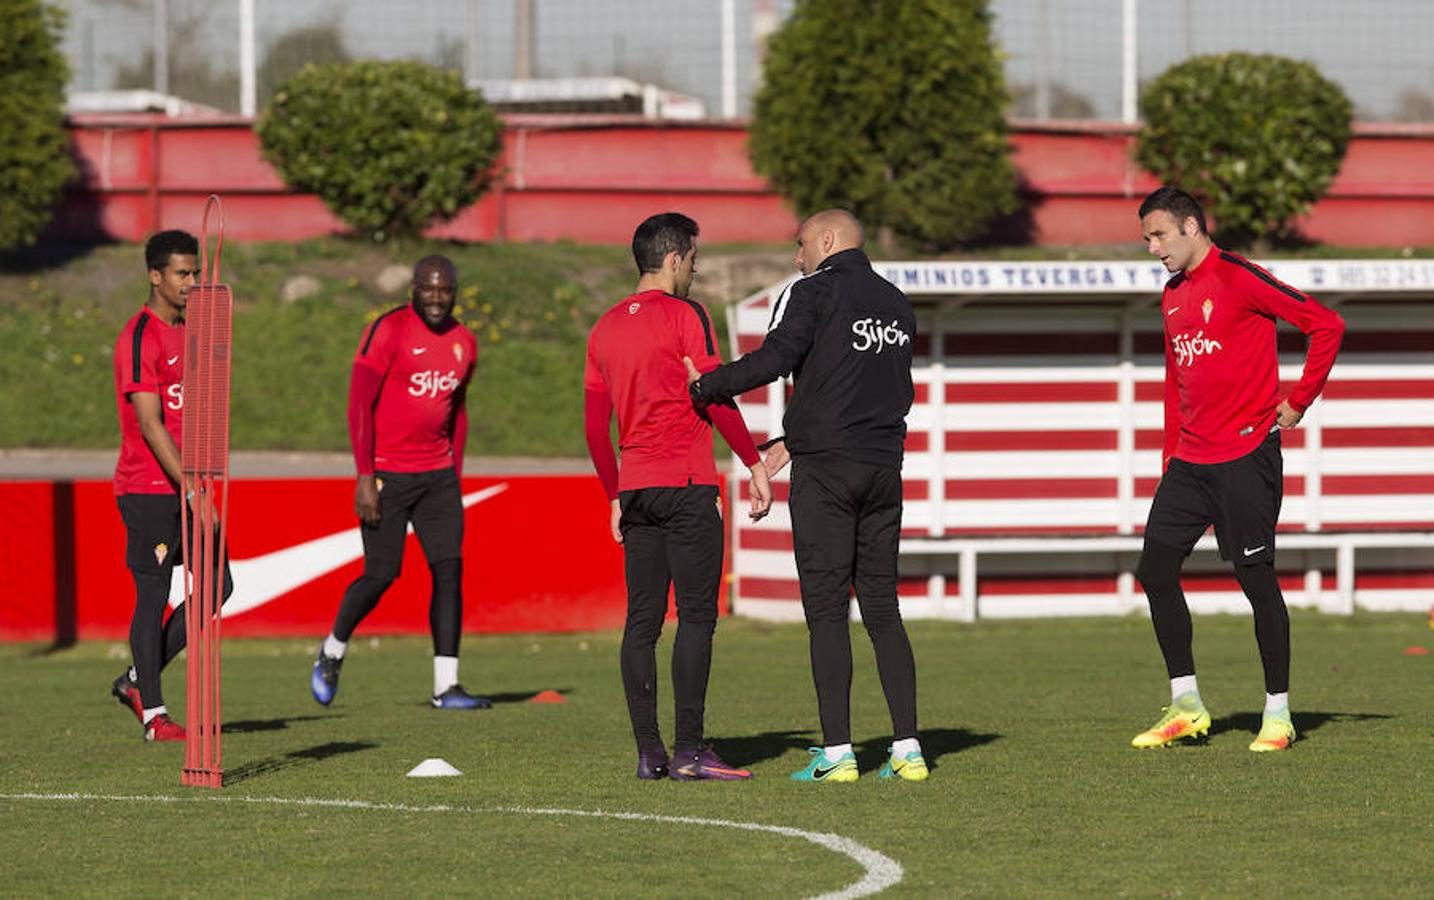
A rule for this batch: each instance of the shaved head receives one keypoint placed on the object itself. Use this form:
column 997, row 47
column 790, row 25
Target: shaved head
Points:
column 435, row 263
column 824, row 233
column 848, row 230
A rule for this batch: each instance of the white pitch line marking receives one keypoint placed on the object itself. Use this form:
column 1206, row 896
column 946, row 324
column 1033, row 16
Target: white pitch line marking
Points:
column 881, row 871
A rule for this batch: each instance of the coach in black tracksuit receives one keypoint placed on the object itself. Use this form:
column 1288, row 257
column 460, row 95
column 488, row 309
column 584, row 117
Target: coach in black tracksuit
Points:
column 846, row 335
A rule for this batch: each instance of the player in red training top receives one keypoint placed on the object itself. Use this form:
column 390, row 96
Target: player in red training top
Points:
column 408, row 425
column 665, row 508
column 149, row 396
column 1222, row 463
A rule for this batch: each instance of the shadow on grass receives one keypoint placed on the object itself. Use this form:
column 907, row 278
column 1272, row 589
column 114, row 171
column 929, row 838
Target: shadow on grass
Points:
column 935, row 743
column 249, row 726
column 871, row 754
column 1305, row 722
column 515, row 696
column 744, row 751
column 296, row 758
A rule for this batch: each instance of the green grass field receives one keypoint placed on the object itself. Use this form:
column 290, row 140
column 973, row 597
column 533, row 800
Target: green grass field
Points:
column 1034, row 790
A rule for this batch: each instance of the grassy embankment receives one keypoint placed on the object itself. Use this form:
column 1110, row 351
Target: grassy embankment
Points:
column 529, row 305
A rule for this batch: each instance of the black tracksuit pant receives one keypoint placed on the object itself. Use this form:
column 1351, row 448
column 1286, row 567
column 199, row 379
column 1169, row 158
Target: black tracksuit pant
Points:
column 846, row 524
column 671, row 536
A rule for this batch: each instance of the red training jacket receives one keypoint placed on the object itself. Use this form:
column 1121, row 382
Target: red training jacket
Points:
column 1222, row 376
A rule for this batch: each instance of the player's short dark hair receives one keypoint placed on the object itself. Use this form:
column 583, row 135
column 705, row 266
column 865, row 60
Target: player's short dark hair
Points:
column 162, row 245
column 660, row 235
column 1178, row 203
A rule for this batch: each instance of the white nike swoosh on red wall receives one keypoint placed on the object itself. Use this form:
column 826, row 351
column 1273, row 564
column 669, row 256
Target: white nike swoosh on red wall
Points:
column 261, row 579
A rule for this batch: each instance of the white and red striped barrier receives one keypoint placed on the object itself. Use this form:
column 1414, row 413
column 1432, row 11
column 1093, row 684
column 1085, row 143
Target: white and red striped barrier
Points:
column 1039, row 414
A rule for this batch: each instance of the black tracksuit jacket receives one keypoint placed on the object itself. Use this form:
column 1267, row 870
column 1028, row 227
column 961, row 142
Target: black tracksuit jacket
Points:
column 846, row 336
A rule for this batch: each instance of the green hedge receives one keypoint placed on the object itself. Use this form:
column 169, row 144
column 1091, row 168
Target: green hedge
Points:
column 389, row 147
column 1257, row 138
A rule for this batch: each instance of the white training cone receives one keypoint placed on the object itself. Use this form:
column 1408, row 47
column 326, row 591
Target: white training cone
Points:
column 433, row 768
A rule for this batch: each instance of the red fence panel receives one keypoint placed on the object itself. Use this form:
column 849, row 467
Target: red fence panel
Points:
column 591, row 179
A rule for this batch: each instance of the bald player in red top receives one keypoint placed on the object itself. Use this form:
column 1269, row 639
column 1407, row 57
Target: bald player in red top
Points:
column 665, row 506
column 1221, row 458
column 408, row 425
column 149, row 397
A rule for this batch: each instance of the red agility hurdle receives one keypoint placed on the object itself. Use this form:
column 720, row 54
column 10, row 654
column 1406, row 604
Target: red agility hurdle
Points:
column 205, row 463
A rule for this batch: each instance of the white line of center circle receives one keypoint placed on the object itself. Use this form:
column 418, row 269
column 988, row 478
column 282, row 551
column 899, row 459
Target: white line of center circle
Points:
column 880, row 870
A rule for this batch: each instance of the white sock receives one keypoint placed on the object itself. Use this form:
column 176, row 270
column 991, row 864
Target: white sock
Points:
column 156, row 711
column 133, row 675
column 1277, row 703
column 833, row 754
column 1185, row 684
column 905, row 747
column 445, row 673
column 334, row 648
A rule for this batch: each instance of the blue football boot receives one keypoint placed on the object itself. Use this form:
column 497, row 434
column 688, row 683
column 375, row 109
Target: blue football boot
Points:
column 324, row 679
column 457, row 698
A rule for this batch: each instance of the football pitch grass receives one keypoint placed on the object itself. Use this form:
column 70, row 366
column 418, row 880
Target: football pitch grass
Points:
column 1034, row 789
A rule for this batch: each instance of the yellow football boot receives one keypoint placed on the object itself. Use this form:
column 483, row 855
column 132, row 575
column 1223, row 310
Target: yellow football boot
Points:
column 1182, row 719
column 1277, row 732
column 911, row 767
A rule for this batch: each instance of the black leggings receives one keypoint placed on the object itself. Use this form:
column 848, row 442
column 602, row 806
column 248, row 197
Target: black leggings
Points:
column 151, row 645
column 1159, row 574
column 445, row 607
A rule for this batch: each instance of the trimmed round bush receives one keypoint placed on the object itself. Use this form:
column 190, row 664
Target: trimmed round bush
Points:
column 892, row 109
column 389, row 147
column 1257, row 138
column 35, row 152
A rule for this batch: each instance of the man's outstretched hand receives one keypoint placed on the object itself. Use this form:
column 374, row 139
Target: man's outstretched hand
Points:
column 692, row 373
column 777, row 458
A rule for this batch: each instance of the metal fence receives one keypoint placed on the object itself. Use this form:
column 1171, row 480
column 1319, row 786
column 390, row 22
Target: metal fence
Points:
column 1064, row 58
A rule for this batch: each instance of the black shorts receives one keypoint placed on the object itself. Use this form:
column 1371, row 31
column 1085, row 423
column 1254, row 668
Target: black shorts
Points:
column 1241, row 498
column 151, row 524
column 432, row 502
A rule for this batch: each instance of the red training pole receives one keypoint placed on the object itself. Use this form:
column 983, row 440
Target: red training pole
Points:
column 205, row 465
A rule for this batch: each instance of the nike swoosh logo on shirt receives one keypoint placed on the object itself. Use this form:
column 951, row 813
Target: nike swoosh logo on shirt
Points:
column 260, row 579
column 1172, row 310
column 419, row 351
column 1249, row 552
column 172, row 360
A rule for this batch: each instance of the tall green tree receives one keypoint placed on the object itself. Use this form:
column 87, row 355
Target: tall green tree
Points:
column 35, row 152
column 1257, row 138
column 892, row 109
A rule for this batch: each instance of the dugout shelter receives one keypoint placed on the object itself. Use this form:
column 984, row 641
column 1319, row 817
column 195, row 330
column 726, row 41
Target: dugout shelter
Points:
column 1034, row 442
